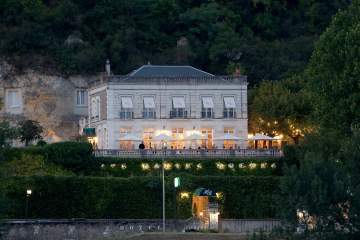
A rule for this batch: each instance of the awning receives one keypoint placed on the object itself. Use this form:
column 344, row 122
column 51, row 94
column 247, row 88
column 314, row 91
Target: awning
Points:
column 149, row 102
column 130, row 137
column 204, row 192
column 126, row 102
column 178, row 102
column 207, row 102
column 229, row 102
column 227, row 136
column 259, row 136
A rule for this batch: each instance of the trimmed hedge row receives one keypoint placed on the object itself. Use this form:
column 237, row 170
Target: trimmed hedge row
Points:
column 199, row 167
column 136, row 197
column 74, row 156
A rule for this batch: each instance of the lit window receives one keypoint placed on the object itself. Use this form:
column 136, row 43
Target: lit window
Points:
column 81, row 96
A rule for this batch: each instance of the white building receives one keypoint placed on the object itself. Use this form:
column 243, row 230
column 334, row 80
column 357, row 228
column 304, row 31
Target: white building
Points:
column 192, row 107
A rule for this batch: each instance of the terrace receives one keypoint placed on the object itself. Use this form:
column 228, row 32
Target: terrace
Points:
column 189, row 153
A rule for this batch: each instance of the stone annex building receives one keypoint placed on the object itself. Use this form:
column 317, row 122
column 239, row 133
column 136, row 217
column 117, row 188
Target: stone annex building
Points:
column 192, row 107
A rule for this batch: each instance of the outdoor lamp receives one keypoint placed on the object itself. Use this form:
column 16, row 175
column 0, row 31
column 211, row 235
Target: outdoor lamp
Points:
column 28, row 192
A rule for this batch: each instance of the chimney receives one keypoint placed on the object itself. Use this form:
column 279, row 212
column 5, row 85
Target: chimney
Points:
column 108, row 67
column 237, row 72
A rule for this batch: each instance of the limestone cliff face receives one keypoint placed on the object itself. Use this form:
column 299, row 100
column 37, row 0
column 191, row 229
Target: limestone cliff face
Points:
column 48, row 99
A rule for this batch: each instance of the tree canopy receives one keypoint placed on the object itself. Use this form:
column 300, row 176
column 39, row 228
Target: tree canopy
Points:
column 268, row 39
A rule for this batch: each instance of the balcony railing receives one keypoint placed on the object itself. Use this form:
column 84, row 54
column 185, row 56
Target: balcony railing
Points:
column 126, row 115
column 207, row 114
column 149, row 115
column 178, row 113
column 229, row 113
column 189, row 153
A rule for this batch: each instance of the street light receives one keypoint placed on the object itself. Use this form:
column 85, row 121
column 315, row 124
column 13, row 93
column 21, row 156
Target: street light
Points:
column 163, row 184
column 28, row 194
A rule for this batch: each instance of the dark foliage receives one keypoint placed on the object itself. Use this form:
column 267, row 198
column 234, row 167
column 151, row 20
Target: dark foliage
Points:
column 268, row 39
column 137, row 197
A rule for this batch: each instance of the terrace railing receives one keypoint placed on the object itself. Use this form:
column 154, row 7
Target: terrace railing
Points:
column 188, row 153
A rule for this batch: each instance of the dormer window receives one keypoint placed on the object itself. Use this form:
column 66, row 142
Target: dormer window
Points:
column 229, row 107
column 178, row 108
column 207, row 107
column 127, row 111
column 149, row 108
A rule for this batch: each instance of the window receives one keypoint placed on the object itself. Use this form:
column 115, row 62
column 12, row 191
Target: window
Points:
column 126, row 108
column 125, row 144
column 13, row 98
column 95, row 108
column 178, row 110
column 207, row 107
column 81, row 96
column 178, row 135
column 149, row 108
column 229, row 143
column 229, row 107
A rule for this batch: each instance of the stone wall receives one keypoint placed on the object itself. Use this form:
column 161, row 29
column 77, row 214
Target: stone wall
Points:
column 84, row 229
column 49, row 99
column 88, row 229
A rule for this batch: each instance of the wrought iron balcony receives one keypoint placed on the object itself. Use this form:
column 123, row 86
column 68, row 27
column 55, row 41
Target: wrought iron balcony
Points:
column 207, row 114
column 229, row 113
column 126, row 115
column 149, row 115
column 178, row 113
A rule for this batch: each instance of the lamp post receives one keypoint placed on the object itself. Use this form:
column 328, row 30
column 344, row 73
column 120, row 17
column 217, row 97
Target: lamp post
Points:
column 28, row 194
column 163, row 184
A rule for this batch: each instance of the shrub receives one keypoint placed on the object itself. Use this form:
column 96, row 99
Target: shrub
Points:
column 136, row 197
column 76, row 156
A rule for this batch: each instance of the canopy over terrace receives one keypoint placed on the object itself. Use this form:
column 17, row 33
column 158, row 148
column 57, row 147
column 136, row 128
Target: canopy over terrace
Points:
column 260, row 141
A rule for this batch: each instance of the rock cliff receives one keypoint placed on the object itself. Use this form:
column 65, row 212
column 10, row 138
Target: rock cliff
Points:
column 46, row 98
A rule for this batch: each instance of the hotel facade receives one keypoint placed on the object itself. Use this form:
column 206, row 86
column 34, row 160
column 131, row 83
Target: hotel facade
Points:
column 191, row 108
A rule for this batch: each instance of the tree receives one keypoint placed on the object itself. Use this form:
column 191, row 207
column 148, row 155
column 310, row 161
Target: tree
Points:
column 334, row 71
column 280, row 108
column 29, row 130
column 7, row 133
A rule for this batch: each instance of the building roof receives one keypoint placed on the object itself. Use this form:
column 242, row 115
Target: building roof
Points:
column 168, row 71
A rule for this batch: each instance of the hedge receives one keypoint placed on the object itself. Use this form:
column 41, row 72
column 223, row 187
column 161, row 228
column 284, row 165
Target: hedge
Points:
column 74, row 156
column 136, row 197
column 119, row 167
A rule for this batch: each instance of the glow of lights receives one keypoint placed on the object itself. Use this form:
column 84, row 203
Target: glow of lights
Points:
column 199, row 166
column 219, row 195
column 250, row 136
column 252, row 165
column 188, row 165
column 263, row 165
column 102, row 165
column 156, row 166
column 184, row 195
column 177, row 165
column 231, row 165
column 220, row 166
column 273, row 165
column 28, row 192
column 242, row 165
column 145, row 166
column 123, row 166
column 201, row 214
column 167, row 166
column 112, row 165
